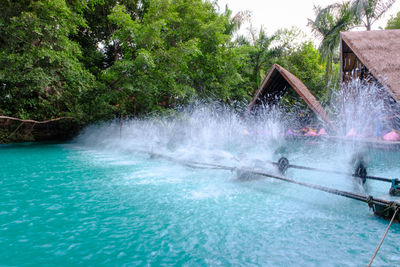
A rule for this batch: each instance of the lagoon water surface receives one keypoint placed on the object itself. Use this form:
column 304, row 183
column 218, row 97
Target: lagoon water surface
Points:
column 99, row 201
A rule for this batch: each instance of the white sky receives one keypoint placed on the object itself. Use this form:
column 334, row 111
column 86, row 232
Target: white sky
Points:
column 278, row 14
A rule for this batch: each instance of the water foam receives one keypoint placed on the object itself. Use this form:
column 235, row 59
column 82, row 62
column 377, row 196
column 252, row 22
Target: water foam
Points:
column 218, row 134
column 205, row 133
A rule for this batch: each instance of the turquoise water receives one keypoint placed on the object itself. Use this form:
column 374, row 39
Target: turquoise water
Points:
column 81, row 204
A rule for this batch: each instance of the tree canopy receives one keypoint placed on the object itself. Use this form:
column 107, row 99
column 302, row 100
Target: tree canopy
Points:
column 394, row 22
column 100, row 59
column 40, row 70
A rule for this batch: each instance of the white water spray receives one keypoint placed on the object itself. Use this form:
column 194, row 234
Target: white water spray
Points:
column 218, row 134
column 206, row 133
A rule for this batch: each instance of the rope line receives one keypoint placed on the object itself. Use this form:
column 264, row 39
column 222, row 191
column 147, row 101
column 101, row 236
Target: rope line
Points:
column 383, row 238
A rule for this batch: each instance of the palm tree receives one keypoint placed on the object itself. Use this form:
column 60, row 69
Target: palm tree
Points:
column 367, row 12
column 236, row 21
column 261, row 54
column 328, row 24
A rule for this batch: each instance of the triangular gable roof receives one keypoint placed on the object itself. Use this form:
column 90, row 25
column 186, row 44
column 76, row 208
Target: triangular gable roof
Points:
column 273, row 82
column 379, row 51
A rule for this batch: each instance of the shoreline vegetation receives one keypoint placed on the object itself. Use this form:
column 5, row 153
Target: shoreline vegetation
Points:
column 17, row 130
column 67, row 64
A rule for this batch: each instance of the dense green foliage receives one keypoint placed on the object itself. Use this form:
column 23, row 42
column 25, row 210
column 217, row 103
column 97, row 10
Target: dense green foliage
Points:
column 178, row 50
column 40, row 71
column 100, row 59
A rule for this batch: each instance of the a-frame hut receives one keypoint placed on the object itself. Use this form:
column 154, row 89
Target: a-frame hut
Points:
column 277, row 82
column 372, row 54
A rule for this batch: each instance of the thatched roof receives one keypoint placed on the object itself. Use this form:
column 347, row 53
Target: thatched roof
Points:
column 275, row 85
column 379, row 51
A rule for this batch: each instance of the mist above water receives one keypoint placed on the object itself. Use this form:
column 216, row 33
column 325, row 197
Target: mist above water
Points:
column 359, row 107
column 219, row 134
column 201, row 132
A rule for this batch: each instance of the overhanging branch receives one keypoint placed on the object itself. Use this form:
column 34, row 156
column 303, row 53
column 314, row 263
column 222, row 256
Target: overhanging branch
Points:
column 34, row 121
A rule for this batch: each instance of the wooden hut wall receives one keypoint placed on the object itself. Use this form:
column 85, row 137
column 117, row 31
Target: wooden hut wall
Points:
column 277, row 83
column 352, row 67
column 379, row 53
column 273, row 91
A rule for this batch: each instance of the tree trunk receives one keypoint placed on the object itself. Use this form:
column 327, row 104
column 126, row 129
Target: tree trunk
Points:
column 368, row 25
